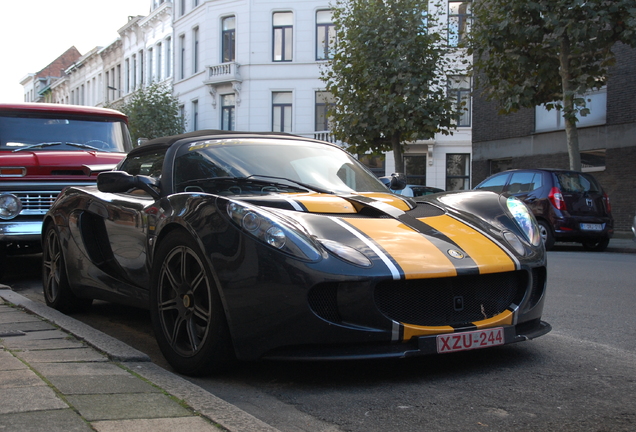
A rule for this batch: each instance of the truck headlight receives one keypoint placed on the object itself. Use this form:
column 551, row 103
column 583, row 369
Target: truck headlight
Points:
column 10, row 206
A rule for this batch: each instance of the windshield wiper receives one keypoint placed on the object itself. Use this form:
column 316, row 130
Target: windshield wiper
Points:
column 42, row 144
column 85, row 146
column 309, row 187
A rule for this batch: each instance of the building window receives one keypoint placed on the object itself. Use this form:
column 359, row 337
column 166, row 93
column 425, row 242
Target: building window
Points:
column 182, row 7
column 227, row 112
column 325, row 35
column 282, row 111
column 141, row 69
column 283, row 29
column 195, row 50
column 324, row 100
column 195, row 3
column 415, row 169
column 457, row 172
column 159, row 60
column 150, row 65
column 182, row 117
column 168, row 57
column 127, row 72
column 459, row 19
column 182, row 52
column 133, row 73
column 551, row 120
column 195, row 115
column 459, row 94
column 228, row 39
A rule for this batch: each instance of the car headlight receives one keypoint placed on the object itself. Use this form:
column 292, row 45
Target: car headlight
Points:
column 10, row 206
column 273, row 231
column 524, row 219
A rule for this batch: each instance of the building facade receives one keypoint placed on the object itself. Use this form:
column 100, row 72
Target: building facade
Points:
column 255, row 65
column 535, row 138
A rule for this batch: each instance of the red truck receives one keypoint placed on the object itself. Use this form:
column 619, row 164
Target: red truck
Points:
column 44, row 148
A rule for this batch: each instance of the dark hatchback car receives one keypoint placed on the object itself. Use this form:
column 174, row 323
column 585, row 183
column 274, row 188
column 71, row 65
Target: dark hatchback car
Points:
column 569, row 206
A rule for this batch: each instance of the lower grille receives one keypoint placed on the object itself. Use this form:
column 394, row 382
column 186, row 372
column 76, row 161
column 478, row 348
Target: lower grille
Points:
column 450, row 301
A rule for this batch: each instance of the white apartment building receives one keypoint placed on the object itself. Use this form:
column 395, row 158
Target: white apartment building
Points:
column 254, row 65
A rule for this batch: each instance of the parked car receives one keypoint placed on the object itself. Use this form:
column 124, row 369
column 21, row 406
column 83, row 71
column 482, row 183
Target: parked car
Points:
column 263, row 246
column 43, row 148
column 569, row 206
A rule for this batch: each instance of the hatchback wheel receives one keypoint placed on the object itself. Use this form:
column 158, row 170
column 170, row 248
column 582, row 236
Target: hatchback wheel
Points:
column 187, row 315
column 546, row 234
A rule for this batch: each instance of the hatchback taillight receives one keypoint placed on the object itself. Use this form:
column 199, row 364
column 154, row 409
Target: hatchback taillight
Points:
column 608, row 206
column 556, row 198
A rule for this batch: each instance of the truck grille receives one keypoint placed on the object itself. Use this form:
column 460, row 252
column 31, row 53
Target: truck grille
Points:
column 36, row 203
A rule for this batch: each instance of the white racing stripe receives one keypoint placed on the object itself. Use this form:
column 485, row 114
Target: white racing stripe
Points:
column 392, row 268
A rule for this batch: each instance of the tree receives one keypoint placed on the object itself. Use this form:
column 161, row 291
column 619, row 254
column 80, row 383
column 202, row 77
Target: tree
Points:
column 388, row 76
column 153, row 112
column 533, row 52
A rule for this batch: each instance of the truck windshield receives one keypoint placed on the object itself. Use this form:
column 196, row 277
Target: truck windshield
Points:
column 68, row 134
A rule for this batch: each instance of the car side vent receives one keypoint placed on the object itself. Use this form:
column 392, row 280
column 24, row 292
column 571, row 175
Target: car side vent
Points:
column 68, row 172
column 323, row 301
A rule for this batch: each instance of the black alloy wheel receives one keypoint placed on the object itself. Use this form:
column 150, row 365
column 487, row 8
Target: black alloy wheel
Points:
column 57, row 290
column 186, row 310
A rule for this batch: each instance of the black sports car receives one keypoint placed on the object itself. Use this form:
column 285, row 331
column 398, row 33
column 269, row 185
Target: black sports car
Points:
column 252, row 246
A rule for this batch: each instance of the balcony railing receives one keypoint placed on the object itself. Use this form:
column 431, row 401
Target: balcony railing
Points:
column 223, row 73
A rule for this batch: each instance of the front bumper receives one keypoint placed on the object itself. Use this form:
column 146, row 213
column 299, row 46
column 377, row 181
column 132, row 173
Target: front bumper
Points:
column 417, row 346
column 20, row 231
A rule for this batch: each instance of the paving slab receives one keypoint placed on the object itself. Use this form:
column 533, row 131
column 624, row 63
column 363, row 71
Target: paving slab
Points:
column 8, row 362
column 40, row 335
column 77, row 369
column 19, row 378
column 17, row 317
column 61, row 420
column 61, row 355
column 189, row 424
column 41, row 344
column 126, row 406
column 104, row 384
column 26, row 326
column 21, row 399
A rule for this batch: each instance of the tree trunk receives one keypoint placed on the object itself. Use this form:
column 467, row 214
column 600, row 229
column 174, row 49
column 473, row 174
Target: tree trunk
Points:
column 397, row 152
column 569, row 113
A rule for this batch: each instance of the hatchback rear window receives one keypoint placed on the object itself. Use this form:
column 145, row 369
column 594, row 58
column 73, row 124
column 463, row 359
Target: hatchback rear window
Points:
column 572, row 182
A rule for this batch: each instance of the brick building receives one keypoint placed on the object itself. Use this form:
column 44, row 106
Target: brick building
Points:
column 535, row 138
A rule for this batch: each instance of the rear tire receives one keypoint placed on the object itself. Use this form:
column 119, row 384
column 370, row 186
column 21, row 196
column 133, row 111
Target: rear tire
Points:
column 57, row 290
column 546, row 234
column 597, row 246
column 187, row 314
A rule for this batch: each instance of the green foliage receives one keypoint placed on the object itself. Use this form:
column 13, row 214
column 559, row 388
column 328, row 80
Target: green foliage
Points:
column 533, row 52
column 153, row 112
column 388, row 76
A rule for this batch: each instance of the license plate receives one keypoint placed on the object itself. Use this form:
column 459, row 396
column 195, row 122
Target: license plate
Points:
column 470, row 340
column 591, row 227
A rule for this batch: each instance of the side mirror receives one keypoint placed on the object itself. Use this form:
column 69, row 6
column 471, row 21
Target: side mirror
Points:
column 398, row 181
column 121, row 181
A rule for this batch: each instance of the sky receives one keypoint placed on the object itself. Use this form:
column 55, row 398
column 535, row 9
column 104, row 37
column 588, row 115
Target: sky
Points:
column 33, row 33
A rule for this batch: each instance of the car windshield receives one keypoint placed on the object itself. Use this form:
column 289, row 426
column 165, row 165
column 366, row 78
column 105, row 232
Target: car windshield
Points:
column 299, row 165
column 68, row 134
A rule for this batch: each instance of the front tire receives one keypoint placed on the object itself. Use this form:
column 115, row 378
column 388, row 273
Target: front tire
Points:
column 187, row 315
column 57, row 290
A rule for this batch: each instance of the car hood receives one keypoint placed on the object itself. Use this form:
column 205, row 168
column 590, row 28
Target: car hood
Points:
column 421, row 240
column 59, row 163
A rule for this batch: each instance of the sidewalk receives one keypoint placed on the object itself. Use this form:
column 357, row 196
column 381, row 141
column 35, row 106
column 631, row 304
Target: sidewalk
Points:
column 60, row 375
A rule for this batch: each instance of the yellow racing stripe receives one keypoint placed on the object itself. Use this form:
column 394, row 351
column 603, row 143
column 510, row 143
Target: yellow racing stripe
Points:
column 413, row 253
column 411, row 330
column 322, row 203
column 489, row 257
